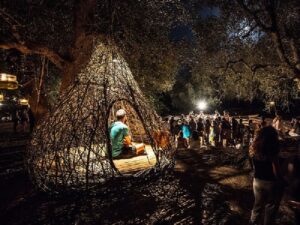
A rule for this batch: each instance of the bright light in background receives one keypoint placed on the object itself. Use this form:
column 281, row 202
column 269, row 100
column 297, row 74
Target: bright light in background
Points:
column 202, row 105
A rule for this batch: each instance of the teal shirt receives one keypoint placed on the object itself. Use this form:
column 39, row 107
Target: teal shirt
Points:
column 118, row 131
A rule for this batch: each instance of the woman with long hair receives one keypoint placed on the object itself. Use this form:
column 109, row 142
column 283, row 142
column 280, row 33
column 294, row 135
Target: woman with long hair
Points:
column 267, row 183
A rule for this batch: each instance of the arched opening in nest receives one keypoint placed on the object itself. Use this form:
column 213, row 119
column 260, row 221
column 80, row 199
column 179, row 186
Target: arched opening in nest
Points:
column 146, row 157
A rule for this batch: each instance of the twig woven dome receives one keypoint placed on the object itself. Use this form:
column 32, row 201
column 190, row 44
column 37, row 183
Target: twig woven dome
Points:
column 71, row 148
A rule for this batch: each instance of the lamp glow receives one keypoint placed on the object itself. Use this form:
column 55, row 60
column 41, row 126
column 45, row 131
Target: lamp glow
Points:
column 202, row 105
column 272, row 103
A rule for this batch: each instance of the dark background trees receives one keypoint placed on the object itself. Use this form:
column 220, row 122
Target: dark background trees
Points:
column 244, row 51
column 179, row 51
column 63, row 33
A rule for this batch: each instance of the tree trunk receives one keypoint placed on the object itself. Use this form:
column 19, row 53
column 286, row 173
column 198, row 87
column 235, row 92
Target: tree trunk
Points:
column 40, row 83
column 80, row 53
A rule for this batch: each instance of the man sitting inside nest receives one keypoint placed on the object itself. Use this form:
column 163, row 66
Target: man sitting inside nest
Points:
column 122, row 146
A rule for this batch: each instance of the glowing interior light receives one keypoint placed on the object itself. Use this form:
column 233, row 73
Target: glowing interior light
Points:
column 272, row 103
column 202, row 105
column 1, row 97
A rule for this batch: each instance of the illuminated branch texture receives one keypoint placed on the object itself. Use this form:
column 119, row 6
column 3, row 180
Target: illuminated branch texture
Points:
column 70, row 148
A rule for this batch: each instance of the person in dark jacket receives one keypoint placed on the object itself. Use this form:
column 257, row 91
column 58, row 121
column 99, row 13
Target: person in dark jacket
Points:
column 207, row 130
column 234, row 130
column 31, row 119
column 200, row 129
column 295, row 188
column 225, row 131
column 268, row 180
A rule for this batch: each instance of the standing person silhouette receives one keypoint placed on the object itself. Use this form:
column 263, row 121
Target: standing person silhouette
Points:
column 268, row 180
column 31, row 119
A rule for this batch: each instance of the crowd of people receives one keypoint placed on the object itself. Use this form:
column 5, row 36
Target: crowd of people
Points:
column 270, row 181
column 223, row 130
column 211, row 129
column 263, row 139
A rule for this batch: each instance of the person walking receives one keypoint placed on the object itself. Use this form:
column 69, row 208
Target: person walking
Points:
column 193, row 124
column 194, row 133
column 241, row 130
column 295, row 188
column 234, row 131
column 225, row 131
column 200, row 129
column 207, row 130
column 268, row 181
column 172, row 124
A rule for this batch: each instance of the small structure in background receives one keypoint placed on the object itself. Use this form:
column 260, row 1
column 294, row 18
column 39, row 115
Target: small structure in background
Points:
column 13, row 106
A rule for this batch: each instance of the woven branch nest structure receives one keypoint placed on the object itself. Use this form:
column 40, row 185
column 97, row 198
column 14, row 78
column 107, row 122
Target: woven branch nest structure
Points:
column 71, row 147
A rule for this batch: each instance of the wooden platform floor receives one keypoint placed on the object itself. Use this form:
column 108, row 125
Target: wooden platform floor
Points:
column 136, row 163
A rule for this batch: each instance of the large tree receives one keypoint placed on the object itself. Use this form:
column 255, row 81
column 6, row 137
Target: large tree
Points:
column 235, row 49
column 64, row 32
column 280, row 20
column 234, row 57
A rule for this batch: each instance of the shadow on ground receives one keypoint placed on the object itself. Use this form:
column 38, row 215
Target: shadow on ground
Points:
column 207, row 186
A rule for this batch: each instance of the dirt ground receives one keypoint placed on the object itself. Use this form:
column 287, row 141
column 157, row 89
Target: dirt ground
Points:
column 207, row 186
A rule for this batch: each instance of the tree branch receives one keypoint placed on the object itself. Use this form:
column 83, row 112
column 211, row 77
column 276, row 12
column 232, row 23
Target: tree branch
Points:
column 13, row 25
column 231, row 63
column 256, row 67
column 253, row 68
column 28, row 83
column 275, row 34
column 25, row 48
column 30, row 50
column 254, row 15
column 250, row 31
column 295, row 51
column 276, row 38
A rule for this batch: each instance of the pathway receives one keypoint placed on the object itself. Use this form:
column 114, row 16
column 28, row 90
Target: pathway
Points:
column 208, row 186
column 197, row 168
